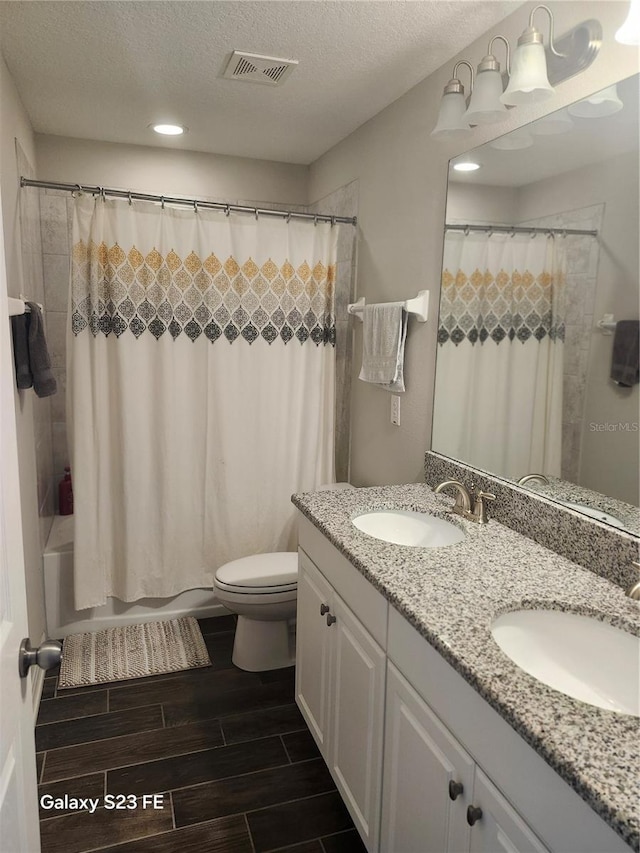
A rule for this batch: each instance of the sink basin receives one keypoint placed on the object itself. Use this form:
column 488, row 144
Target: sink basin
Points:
column 577, row 655
column 408, row 527
column 594, row 513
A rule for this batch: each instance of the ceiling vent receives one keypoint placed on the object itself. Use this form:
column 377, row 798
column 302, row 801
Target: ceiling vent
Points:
column 258, row 69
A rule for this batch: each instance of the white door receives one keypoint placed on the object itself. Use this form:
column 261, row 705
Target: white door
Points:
column 357, row 720
column 313, row 649
column 420, row 814
column 499, row 829
column 19, row 831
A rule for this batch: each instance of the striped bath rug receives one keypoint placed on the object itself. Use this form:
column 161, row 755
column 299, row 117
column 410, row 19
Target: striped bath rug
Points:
column 132, row 651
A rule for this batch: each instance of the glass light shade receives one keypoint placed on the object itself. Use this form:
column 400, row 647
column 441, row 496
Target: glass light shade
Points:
column 558, row 122
column 604, row 103
column 528, row 83
column 513, row 141
column 629, row 32
column 485, row 106
column 451, row 123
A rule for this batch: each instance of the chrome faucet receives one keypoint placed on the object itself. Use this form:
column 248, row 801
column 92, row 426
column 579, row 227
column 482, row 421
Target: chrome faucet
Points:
column 529, row 477
column 469, row 503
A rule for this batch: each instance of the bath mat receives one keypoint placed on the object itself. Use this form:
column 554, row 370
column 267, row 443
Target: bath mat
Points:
column 132, row 651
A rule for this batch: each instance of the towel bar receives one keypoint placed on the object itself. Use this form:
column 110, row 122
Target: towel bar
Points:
column 419, row 306
column 19, row 306
column 607, row 324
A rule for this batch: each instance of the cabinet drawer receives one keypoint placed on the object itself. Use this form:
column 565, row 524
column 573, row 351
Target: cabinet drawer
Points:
column 367, row 604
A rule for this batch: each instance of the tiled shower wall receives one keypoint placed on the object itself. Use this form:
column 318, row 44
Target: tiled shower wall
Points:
column 34, row 291
column 54, row 208
column 582, row 273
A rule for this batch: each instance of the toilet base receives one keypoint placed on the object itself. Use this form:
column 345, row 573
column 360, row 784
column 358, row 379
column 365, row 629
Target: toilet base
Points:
column 259, row 646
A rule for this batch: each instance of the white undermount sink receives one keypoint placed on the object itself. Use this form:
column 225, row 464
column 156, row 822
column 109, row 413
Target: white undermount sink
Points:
column 598, row 514
column 408, row 527
column 578, row 655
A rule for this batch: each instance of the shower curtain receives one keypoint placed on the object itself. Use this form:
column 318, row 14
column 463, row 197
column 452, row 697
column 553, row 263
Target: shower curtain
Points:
column 498, row 397
column 201, row 390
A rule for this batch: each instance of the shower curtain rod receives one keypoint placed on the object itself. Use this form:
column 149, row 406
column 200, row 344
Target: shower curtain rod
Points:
column 191, row 202
column 515, row 229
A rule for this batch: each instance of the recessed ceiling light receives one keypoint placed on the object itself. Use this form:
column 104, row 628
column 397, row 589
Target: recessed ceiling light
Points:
column 168, row 129
column 466, row 167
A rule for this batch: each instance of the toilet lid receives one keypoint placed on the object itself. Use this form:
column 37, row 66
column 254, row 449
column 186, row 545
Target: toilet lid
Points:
column 277, row 572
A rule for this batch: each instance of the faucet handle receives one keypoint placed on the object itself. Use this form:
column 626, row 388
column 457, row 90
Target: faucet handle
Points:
column 479, row 509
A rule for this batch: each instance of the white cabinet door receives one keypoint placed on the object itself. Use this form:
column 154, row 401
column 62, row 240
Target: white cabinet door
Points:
column 500, row 829
column 313, row 649
column 357, row 720
column 421, row 759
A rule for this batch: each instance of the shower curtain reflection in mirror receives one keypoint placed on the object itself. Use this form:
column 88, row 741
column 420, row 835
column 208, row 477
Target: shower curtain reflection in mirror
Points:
column 201, row 385
column 498, row 396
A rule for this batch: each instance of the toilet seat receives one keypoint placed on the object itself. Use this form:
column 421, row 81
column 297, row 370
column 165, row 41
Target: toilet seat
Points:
column 259, row 574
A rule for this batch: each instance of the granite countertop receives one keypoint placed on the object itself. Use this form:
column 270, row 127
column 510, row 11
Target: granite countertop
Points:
column 452, row 594
column 626, row 514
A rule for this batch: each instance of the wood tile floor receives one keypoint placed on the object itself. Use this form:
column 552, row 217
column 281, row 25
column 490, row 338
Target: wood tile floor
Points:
column 227, row 751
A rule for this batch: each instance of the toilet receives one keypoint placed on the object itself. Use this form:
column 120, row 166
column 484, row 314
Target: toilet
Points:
column 262, row 589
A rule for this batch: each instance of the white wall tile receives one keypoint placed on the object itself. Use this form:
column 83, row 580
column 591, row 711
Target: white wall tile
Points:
column 56, row 281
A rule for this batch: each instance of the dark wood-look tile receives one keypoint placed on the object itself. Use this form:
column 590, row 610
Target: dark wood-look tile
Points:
column 271, row 721
column 131, row 749
column 250, row 792
column 220, row 648
column 227, row 835
column 216, row 624
column 86, row 729
column 81, row 786
column 306, row 847
column 49, row 688
column 209, row 705
column 183, row 686
column 196, row 767
column 286, row 673
column 39, row 764
column 344, row 842
column 72, row 707
column 75, row 833
column 300, row 745
column 302, row 820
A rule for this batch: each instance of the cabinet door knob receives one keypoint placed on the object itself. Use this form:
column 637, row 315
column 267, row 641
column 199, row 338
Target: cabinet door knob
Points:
column 324, row 608
column 455, row 789
column 474, row 813
column 330, row 619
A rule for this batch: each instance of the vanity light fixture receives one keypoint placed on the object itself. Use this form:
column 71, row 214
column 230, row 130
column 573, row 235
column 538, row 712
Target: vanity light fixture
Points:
column 168, row 129
column 604, row 103
column 629, row 32
column 451, row 123
column 466, row 166
column 529, row 83
column 485, row 106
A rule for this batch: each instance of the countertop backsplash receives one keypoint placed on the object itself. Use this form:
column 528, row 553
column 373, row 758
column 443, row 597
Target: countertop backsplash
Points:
column 601, row 548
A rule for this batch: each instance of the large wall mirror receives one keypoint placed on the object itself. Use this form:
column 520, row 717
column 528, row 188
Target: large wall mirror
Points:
column 535, row 369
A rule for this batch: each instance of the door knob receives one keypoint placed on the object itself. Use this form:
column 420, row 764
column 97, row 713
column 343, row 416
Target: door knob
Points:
column 48, row 655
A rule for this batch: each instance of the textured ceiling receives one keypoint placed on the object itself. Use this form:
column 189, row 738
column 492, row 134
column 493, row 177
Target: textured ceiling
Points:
column 106, row 70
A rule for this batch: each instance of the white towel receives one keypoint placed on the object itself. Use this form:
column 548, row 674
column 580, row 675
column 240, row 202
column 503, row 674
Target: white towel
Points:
column 383, row 337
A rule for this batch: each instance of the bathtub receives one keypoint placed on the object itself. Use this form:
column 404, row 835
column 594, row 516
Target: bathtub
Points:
column 62, row 616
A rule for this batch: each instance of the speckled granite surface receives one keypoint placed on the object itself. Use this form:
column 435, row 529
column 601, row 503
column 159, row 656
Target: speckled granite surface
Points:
column 561, row 490
column 604, row 550
column 451, row 596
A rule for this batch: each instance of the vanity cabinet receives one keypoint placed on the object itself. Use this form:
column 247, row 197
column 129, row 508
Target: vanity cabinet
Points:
column 371, row 687
column 340, row 678
column 432, row 788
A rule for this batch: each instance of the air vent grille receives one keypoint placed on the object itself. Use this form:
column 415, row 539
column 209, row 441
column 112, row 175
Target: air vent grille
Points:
column 254, row 68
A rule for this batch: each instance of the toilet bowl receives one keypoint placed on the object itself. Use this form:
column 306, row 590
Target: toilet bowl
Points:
column 262, row 590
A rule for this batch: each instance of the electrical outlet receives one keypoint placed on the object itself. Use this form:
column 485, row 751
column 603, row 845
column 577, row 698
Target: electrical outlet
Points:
column 395, row 409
